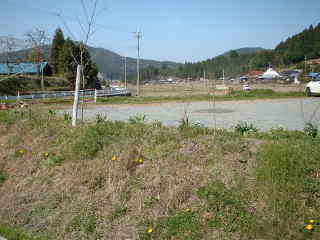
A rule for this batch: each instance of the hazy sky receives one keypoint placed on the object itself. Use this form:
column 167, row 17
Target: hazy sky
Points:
column 176, row 30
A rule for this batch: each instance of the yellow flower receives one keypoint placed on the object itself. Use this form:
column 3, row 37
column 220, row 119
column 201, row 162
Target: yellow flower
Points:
column 150, row 230
column 188, row 210
column 140, row 160
column 114, row 158
column 309, row 227
column 21, row 151
column 46, row 154
column 312, row 221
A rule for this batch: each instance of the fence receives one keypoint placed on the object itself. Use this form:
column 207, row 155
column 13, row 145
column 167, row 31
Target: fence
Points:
column 93, row 93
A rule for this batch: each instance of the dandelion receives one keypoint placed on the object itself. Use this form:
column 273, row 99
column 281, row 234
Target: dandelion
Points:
column 312, row 221
column 21, row 151
column 150, row 230
column 140, row 160
column 309, row 227
column 46, row 154
column 188, row 210
column 114, row 158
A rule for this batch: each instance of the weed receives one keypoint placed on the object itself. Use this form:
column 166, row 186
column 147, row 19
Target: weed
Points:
column 119, row 212
column 180, row 225
column 311, row 130
column 138, row 119
column 8, row 117
column 84, row 224
column 67, row 116
column 100, row 118
column 3, row 177
column 245, row 128
column 185, row 123
column 53, row 160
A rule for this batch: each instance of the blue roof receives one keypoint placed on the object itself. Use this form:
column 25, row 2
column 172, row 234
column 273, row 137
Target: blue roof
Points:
column 14, row 68
column 313, row 74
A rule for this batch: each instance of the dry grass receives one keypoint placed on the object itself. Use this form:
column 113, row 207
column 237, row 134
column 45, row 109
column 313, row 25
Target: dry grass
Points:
column 114, row 180
column 202, row 88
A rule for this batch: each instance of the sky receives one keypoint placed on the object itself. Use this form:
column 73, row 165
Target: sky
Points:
column 173, row 30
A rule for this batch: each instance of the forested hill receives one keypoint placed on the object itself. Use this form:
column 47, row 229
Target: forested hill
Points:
column 112, row 64
column 242, row 51
column 108, row 62
column 289, row 52
column 306, row 43
column 233, row 62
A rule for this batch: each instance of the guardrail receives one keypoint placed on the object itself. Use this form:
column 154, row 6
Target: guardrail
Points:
column 93, row 93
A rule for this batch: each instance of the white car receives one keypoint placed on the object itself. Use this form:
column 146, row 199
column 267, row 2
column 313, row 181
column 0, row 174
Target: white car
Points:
column 247, row 87
column 313, row 87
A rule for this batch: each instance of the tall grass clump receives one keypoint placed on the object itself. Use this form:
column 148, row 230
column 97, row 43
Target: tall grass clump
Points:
column 244, row 128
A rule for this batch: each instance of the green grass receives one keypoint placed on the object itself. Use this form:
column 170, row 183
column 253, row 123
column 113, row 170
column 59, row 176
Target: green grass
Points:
column 12, row 233
column 237, row 95
column 3, row 177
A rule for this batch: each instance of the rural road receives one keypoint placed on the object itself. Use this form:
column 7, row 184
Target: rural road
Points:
column 291, row 113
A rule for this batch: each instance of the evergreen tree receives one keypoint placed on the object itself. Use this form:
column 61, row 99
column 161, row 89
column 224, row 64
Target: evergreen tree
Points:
column 56, row 48
column 70, row 56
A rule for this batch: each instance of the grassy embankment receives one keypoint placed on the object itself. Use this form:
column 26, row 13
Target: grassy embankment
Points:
column 118, row 180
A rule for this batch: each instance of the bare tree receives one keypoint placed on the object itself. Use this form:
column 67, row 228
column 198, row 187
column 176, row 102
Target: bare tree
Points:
column 87, row 29
column 37, row 40
column 8, row 45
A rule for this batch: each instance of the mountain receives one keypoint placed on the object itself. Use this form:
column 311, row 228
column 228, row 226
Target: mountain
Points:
column 110, row 63
column 247, row 50
column 234, row 63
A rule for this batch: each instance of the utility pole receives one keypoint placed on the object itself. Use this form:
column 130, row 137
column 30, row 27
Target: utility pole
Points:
column 223, row 76
column 138, row 36
column 305, row 64
column 125, row 71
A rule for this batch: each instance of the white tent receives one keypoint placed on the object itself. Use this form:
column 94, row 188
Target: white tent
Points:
column 270, row 73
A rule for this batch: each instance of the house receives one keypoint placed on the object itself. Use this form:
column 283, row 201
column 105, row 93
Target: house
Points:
column 24, row 68
column 254, row 74
column 270, row 74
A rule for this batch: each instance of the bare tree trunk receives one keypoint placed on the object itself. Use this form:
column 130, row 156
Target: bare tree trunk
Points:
column 76, row 96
